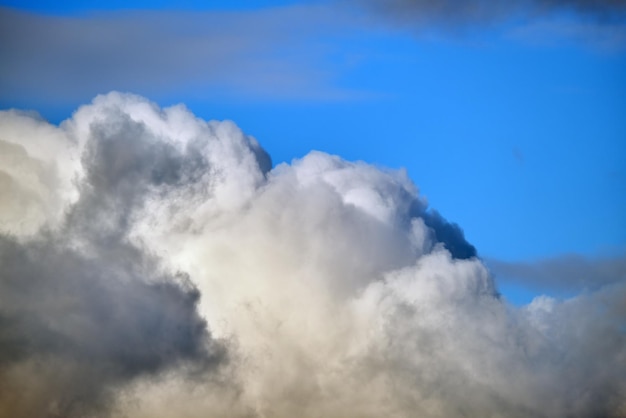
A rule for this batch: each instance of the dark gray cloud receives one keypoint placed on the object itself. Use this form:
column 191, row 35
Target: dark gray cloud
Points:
column 570, row 273
column 75, row 329
column 450, row 235
column 444, row 232
column 123, row 163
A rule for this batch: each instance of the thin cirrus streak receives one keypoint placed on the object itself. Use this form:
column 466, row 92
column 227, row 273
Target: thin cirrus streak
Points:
column 154, row 264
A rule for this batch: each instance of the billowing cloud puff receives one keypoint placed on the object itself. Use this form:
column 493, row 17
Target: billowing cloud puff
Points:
column 331, row 289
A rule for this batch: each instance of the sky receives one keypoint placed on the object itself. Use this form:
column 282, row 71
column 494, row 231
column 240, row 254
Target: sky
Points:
column 400, row 139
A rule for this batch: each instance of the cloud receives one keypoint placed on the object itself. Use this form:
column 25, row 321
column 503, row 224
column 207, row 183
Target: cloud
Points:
column 83, row 311
column 76, row 329
column 250, row 54
column 36, row 171
column 281, row 53
column 602, row 36
column 600, row 25
column 478, row 11
column 571, row 273
column 330, row 287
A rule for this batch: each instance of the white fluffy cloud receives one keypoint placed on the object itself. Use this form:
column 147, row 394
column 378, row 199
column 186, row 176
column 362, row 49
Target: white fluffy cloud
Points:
column 332, row 288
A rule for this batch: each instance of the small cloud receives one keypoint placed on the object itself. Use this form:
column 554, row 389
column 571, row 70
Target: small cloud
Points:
column 454, row 13
column 570, row 273
column 598, row 24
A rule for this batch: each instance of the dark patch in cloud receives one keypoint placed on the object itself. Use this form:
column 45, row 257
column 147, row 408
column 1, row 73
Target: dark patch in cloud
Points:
column 444, row 232
column 123, row 163
column 572, row 273
column 450, row 234
column 83, row 312
column 83, row 327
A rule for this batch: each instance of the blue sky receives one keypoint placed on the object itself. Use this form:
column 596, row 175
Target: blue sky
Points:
column 513, row 126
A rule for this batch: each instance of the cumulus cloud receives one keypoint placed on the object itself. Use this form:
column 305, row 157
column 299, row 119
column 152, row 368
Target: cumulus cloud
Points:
column 330, row 287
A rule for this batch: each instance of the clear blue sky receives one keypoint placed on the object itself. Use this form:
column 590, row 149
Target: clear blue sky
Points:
column 514, row 128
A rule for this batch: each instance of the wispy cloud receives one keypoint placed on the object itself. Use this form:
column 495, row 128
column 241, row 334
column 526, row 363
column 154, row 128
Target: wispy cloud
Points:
column 283, row 53
column 601, row 36
column 571, row 273
column 268, row 53
column 597, row 24
column 457, row 12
